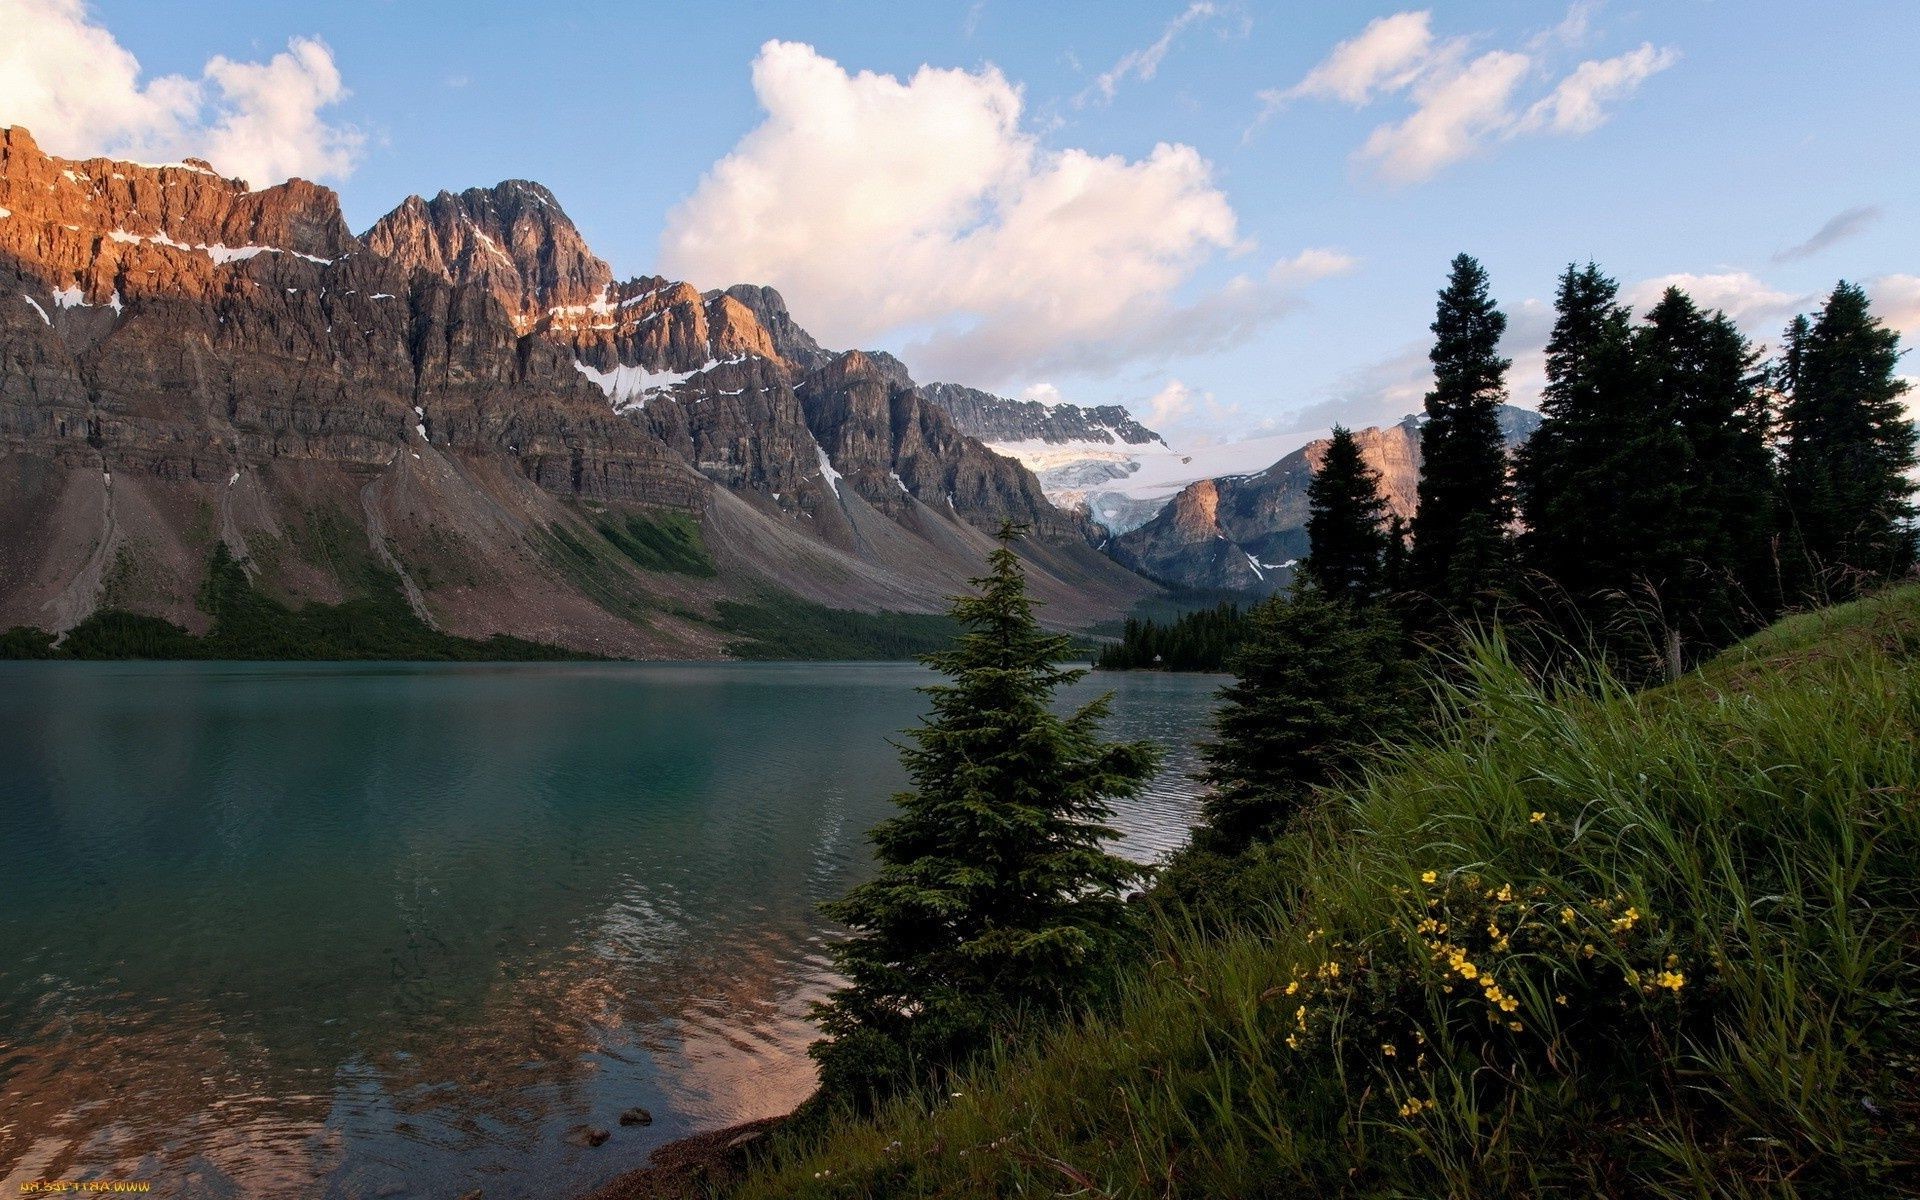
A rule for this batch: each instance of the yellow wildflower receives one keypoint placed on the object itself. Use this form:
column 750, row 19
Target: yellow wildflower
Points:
column 1536, row 818
column 1389, row 1049
column 1670, row 979
column 1429, row 877
column 1566, row 916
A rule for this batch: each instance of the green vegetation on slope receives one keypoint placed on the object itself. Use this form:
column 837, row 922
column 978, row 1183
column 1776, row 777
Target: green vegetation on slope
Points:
column 663, row 541
column 781, row 626
column 248, row 624
column 1584, row 942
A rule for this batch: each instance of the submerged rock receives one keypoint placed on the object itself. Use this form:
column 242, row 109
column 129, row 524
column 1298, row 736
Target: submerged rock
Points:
column 587, row 1135
column 636, row 1116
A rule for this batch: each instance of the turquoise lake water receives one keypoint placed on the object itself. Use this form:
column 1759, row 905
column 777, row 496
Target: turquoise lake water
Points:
column 346, row 930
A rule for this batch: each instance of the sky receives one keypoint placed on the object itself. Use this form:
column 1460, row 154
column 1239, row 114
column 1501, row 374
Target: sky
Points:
column 1230, row 216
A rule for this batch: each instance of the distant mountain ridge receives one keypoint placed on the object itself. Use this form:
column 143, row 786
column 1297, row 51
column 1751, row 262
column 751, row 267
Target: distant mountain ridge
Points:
column 1247, row 532
column 465, row 397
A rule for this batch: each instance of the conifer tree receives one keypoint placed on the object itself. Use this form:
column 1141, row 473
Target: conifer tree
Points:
column 1393, row 560
column 995, row 894
column 1460, row 538
column 1848, row 447
column 1316, row 683
column 1597, row 482
column 1344, row 532
column 1711, row 562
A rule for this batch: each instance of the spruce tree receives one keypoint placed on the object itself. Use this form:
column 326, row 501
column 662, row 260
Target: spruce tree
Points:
column 1711, row 563
column 1848, row 448
column 1316, row 683
column 1344, row 533
column 1460, row 530
column 995, row 893
column 1597, row 482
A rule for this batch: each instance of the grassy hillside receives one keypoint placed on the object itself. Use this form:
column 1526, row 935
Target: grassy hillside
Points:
column 1662, row 944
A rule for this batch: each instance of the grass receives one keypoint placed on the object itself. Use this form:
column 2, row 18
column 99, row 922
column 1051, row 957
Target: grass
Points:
column 1583, row 943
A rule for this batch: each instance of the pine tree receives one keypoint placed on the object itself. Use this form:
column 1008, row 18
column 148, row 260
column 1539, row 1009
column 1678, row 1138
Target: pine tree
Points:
column 1597, row 482
column 1344, row 533
column 1711, row 564
column 1460, row 550
column 1848, row 447
column 1316, row 683
column 1393, row 560
column 995, row 894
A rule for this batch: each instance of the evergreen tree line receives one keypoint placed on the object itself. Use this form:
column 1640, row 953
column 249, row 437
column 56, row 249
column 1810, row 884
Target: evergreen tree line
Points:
column 1194, row 641
column 1678, row 494
column 1680, row 491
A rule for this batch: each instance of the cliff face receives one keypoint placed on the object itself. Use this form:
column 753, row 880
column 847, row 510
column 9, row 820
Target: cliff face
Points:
column 184, row 361
column 1246, row 532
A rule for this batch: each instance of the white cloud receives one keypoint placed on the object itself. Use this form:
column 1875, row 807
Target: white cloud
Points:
column 921, row 208
column 1456, row 112
column 79, row 92
column 1144, row 64
column 1462, row 105
column 1171, row 404
column 1390, row 53
column 1756, row 306
column 1043, row 393
column 1312, row 264
column 1578, row 103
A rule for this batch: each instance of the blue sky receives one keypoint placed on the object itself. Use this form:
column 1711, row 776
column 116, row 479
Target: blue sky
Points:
column 1263, row 275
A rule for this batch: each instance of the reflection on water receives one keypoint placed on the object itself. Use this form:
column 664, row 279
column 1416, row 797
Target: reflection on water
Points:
column 348, row 930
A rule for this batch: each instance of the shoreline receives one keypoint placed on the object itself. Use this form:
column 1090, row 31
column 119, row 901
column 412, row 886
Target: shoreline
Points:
column 685, row 1167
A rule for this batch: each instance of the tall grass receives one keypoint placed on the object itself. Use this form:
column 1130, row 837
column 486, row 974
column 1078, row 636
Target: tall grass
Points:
column 1585, row 942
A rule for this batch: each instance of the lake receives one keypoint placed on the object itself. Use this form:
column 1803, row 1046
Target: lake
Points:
column 355, row 930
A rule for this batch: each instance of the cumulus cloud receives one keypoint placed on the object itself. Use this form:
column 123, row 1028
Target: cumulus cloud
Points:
column 1840, row 227
column 1170, row 405
column 1144, row 63
column 922, row 208
column 1462, row 103
column 70, row 82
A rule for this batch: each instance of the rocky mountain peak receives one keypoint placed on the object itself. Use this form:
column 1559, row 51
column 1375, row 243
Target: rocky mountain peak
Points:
column 769, row 308
column 513, row 239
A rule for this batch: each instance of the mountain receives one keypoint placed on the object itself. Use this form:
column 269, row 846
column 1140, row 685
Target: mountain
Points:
column 1246, row 532
column 1099, row 460
column 463, row 400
